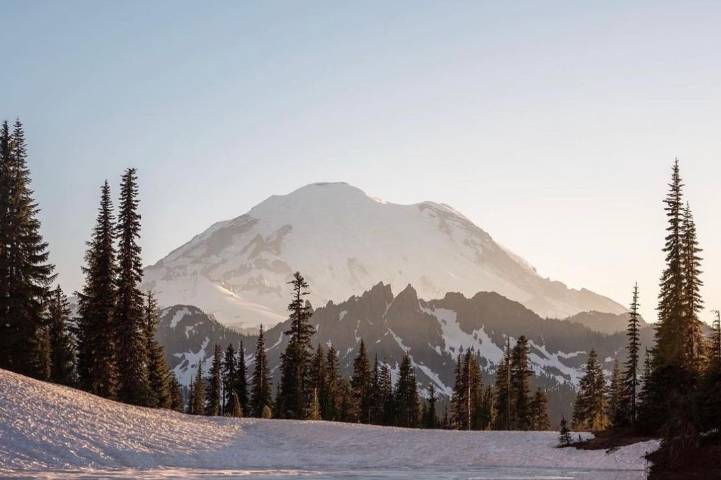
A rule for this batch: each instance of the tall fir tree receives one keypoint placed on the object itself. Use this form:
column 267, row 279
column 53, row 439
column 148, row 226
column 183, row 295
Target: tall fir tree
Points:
column 97, row 363
column 459, row 399
column 615, row 403
column 631, row 374
column 504, row 396
column 407, row 402
column 590, row 410
column 429, row 415
column 9, row 335
column 241, row 382
column 693, row 353
column 669, row 348
column 361, row 385
column 25, row 273
column 520, row 388
column 62, row 364
column 176, row 394
column 330, row 402
column 128, row 313
column 229, row 376
column 214, row 384
column 477, row 416
column 261, row 393
column 294, row 395
column 318, row 378
column 159, row 375
column 376, row 397
column 387, row 395
column 197, row 405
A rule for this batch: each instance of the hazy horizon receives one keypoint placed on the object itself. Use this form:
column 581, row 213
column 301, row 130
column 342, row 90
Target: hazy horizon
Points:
column 553, row 128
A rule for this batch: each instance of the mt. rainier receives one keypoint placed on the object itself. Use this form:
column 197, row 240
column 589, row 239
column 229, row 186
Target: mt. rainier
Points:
column 344, row 242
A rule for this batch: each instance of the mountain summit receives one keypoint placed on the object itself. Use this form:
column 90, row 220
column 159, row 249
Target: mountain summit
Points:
column 344, row 242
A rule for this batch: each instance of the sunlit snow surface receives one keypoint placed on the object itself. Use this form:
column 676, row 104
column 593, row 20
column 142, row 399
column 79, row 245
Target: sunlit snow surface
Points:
column 48, row 431
column 490, row 473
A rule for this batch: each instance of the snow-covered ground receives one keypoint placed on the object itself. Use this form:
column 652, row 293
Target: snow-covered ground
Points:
column 55, row 432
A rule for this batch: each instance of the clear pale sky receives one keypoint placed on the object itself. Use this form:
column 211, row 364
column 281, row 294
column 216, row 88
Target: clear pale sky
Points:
column 552, row 125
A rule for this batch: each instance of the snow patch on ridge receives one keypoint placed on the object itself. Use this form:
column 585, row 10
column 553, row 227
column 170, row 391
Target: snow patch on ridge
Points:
column 455, row 338
column 178, row 316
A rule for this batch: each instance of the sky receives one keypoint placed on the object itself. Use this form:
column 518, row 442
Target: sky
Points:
column 552, row 125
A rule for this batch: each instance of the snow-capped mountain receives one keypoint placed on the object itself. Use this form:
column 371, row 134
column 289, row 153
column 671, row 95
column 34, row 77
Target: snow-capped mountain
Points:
column 344, row 242
column 432, row 332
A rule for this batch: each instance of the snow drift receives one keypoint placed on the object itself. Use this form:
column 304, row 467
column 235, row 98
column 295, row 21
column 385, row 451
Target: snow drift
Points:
column 49, row 427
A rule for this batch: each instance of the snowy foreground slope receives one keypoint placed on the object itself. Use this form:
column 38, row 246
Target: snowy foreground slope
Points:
column 48, row 427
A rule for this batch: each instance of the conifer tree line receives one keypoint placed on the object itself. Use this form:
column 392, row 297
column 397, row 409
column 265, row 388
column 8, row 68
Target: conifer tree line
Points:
column 110, row 348
column 674, row 389
column 312, row 387
column 680, row 396
column 508, row 404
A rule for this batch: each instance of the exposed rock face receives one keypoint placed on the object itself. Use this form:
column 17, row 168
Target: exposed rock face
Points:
column 432, row 332
column 345, row 242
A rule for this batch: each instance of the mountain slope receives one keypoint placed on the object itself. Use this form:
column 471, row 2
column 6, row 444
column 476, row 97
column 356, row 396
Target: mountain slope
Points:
column 49, row 428
column 432, row 332
column 345, row 242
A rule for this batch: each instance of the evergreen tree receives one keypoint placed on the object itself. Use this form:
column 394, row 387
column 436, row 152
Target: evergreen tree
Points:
column 376, row 400
column 346, row 403
column 361, row 385
column 539, row 411
column 407, row 403
column 214, row 384
column 330, row 402
column 692, row 303
column 520, row 390
column 669, row 350
column 191, row 398
column 318, row 378
column 387, row 395
column 645, row 381
column 631, row 374
column 97, row 364
column 294, row 396
column 61, row 345
column 25, row 274
column 477, row 418
column 429, row 418
column 159, row 376
column 198, row 392
column 229, row 378
column 8, row 337
column 459, row 399
column 241, row 382
column 504, row 396
column 128, row 313
column 589, row 411
column 565, row 434
column 615, row 397
column 176, row 395
column 261, row 394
